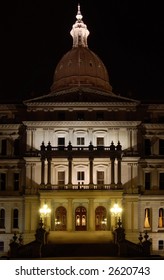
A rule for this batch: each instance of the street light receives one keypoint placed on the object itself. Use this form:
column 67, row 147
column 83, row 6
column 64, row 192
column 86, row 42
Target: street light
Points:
column 44, row 213
column 116, row 211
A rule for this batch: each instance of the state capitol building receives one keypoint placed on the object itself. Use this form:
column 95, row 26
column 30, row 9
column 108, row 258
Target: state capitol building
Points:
column 81, row 157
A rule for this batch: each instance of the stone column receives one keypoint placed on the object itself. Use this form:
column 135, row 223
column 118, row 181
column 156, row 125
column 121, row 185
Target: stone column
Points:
column 70, row 172
column 91, row 173
column 69, row 215
column 119, row 172
column 42, row 171
column 112, row 171
column 91, row 221
column 49, row 172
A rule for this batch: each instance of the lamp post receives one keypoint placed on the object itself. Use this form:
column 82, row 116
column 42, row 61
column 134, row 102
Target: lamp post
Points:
column 116, row 211
column 44, row 213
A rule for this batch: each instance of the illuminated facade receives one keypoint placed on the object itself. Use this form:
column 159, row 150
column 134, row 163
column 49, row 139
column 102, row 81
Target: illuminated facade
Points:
column 80, row 150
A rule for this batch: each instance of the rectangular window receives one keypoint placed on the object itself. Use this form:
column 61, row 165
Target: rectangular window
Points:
column 147, row 219
column 100, row 141
column 61, row 116
column 161, row 181
column 80, row 141
column 61, row 143
column 16, row 147
column 100, row 116
column 80, row 116
column 1, row 246
column 161, row 245
column 16, row 181
column 161, row 218
column 3, row 147
column 2, row 181
column 15, row 218
column 2, row 218
column 100, row 177
column 147, row 180
column 61, row 178
column 161, row 146
column 147, row 147
column 80, row 176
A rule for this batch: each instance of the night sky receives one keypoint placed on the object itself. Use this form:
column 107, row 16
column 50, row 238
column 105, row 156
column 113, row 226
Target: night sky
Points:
column 127, row 35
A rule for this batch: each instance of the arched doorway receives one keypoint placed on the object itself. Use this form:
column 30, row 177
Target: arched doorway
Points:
column 100, row 218
column 80, row 218
column 60, row 218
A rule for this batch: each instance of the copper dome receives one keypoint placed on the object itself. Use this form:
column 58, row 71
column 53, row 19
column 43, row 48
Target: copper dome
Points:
column 81, row 67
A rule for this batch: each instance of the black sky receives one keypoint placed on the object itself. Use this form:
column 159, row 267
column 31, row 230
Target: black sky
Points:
column 127, row 35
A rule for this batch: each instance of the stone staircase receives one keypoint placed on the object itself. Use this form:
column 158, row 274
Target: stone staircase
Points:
column 79, row 250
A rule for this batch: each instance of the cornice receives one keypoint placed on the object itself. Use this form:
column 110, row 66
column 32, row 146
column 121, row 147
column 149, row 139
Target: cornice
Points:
column 153, row 125
column 9, row 126
column 51, row 106
column 72, row 124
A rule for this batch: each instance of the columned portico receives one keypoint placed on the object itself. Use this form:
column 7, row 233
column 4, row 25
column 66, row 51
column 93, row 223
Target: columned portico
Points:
column 112, row 152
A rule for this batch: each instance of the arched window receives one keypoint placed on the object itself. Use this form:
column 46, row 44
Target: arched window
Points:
column 15, row 218
column 147, row 223
column 2, row 218
column 100, row 218
column 61, row 218
column 80, row 218
column 161, row 218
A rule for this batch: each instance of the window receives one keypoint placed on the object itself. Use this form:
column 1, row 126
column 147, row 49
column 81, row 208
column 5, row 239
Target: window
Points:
column 61, row 116
column 61, row 178
column 2, row 218
column 161, row 181
column 80, row 219
column 147, row 180
column 2, row 181
column 80, row 141
column 161, row 146
column 161, row 218
column 80, row 116
column 99, row 116
column 147, row 218
column 15, row 218
column 3, row 147
column 100, row 143
column 147, row 147
column 161, row 245
column 16, row 181
column 101, row 218
column 1, row 246
column 61, row 143
column 60, row 218
column 80, row 176
column 100, row 177
column 16, row 147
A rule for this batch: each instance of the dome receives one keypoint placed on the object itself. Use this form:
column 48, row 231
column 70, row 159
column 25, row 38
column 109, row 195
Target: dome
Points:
column 80, row 67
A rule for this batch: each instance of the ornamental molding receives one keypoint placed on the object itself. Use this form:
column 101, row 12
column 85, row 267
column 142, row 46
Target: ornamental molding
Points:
column 10, row 126
column 157, row 107
column 73, row 124
column 153, row 125
column 110, row 106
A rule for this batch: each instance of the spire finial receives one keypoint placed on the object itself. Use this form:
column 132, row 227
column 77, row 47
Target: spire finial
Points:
column 79, row 15
column 79, row 31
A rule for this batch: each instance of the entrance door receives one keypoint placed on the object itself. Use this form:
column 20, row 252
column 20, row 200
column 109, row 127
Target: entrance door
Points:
column 80, row 218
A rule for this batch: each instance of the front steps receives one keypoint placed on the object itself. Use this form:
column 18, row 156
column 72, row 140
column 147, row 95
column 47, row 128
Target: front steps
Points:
column 79, row 250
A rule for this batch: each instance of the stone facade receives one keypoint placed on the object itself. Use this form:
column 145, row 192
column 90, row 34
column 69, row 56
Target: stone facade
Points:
column 80, row 150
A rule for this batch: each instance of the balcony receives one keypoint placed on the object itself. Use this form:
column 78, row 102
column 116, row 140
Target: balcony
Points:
column 81, row 187
column 111, row 151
